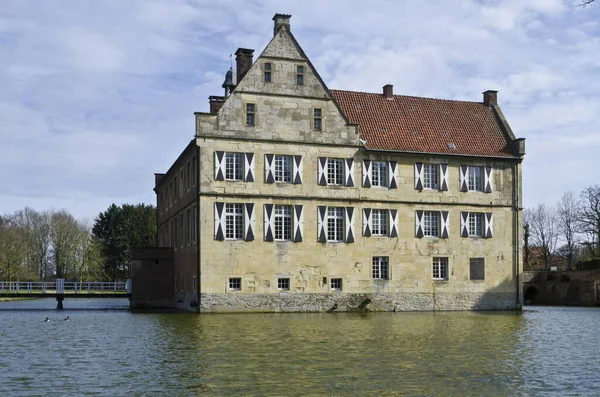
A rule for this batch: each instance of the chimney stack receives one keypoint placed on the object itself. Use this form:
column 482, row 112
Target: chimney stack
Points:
column 388, row 91
column 281, row 21
column 215, row 103
column 490, row 98
column 243, row 61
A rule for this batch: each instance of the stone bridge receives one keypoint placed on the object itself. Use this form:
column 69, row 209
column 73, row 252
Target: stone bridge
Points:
column 577, row 288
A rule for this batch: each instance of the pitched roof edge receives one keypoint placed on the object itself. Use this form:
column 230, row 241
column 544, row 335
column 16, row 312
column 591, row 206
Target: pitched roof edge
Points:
column 506, row 129
column 366, row 148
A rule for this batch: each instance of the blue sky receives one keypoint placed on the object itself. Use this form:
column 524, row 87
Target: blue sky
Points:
column 97, row 96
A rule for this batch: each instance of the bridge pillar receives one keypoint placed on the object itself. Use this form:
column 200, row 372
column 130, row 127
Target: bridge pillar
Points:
column 59, row 300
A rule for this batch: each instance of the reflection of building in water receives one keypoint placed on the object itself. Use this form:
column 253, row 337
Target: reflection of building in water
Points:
column 295, row 197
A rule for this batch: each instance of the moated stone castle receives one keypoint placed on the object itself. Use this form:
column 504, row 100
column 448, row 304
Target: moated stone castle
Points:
column 295, row 197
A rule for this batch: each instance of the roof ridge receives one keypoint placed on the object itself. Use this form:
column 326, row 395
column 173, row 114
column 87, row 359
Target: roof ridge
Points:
column 408, row 96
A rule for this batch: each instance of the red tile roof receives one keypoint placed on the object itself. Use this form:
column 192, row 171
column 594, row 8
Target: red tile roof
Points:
column 425, row 125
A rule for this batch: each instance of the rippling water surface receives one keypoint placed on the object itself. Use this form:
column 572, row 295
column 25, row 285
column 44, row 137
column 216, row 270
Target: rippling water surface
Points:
column 542, row 351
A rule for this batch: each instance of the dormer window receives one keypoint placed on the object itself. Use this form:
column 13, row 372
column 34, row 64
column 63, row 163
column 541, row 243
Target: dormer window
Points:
column 267, row 71
column 300, row 75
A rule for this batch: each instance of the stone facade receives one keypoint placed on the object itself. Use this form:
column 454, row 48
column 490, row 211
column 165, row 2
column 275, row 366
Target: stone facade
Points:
column 325, row 275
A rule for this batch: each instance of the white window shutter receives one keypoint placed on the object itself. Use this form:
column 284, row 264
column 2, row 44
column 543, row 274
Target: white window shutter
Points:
column 269, row 177
column 393, row 223
column 393, row 174
column 464, row 224
column 445, row 224
column 443, row 177
column 349, row 223
column 350, row 171
column 249, row 221
column 419, row 176
column 322, row 171
column 269, row 222
column 321, row 223
column 464, row 175
column 366, row 166
column 249, row 167
column 297, row 171
column 489, row 225
column 219, row 166
column 366, row 222
column 298, row 223
column 419, row 223
column 487, row 179
column 220, row 221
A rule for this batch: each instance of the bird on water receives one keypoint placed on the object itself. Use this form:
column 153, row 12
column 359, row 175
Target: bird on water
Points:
column 46, row 320
column 67, row 318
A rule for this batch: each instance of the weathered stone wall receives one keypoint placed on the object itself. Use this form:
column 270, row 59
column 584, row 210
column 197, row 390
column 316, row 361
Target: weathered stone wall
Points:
column 562, row 288
column 391, row 302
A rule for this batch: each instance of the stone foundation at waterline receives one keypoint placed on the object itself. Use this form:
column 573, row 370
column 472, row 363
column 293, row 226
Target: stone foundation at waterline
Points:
column 340, row 302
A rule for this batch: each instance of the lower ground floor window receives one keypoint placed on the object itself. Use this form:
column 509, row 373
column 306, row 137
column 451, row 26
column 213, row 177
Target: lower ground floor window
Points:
column 440, row 268
column 235, row 283
column 283, row 284
column 477, row 269
column 336, row 284
column 380, row 267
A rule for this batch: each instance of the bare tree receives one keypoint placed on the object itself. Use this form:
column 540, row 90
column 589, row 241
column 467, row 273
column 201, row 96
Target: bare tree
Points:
column 589, row 216
column 12, row 249
column 64, row 235
column 566, row 217
column 584, row 3
column 543, row 233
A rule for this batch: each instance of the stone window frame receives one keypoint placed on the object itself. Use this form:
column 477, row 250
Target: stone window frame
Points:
column 283, row 283
column 431, row 176
column 267, row 71
column 475, row 182
column 380, row 269
column 300, row 73
column 286, row 167
column 382, row 181
column 337, row 173
column 235, row 219
column 318, row 118
column 384, row 216
column 437, row 227
column 231, row 159
column 188, row 174
column 281, row 214
column 476, row 221
column 336, row 284
column 253, row 113
column 439, row 268
column 337, row 226
column 181, row 181
column 234, row 284
column 195, row 170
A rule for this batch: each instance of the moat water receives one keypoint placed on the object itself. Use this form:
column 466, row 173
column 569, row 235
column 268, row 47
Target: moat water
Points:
column 106, row 350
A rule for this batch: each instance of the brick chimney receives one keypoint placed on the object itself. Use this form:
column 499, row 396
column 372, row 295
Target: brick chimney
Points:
column 215, row 103
column 243, row 61
column 388, row 91
column 490, row 98
column 281, row 21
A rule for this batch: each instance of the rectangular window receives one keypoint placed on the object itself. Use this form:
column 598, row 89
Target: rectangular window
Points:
column 336, row 284
column 267, row 71
column 181, row 235
column 195, row 171
column 170, row 193
column 431, row 176
column 379, row 222
column 477, row 271
column 335, row 172
column 317, row 119
column 431, row 224
column 188, row 233
column 283, row 284
column 380, row 267
column 250, row 114
column 234, row 222
column 440, row 268
column 379, row 173
column 174, row 228
column 300, row 75
column 195, row 225
column 175, row 190
column 283, row 223
column 188, row 176
column 475, row 179
column 172, row 234
column 476, row 224
column 282, row 168
column 234, row 166
column 235, row 283
column 181, row 182
column 194, row 283
column 335, row 224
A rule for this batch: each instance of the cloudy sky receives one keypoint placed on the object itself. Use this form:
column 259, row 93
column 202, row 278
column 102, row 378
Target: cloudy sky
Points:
column 98, row 95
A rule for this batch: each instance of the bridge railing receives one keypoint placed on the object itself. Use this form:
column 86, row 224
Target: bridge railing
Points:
column 65, row 287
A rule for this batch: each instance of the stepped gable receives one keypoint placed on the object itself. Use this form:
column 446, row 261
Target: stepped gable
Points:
column 425, row 125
